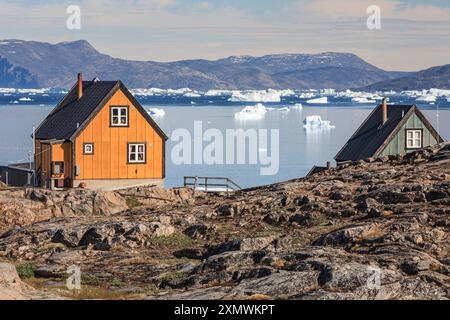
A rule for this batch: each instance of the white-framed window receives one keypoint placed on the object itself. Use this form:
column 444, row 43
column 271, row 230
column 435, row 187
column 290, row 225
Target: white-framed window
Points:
column 119, row 116
column 136, row 153
column 88, row 148
column 413, row 139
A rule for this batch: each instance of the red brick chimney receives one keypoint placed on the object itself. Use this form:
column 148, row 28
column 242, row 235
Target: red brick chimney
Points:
column 384, row 111
column 80, row 85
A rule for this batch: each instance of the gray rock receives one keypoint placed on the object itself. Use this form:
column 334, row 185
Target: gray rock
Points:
column 281, row 285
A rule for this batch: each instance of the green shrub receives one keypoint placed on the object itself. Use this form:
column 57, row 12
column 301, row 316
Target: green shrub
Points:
column 133, row 202
column 176, row 240
column 25, row 271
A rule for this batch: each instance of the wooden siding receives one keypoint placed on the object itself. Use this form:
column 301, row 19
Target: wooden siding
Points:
column 43, row 159
column 62, row 152
column 397, row 144
column 46, row 153
column 110, row 158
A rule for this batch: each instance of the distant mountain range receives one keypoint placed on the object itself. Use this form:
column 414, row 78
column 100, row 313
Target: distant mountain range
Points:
column 30, row 64
column 436, row 77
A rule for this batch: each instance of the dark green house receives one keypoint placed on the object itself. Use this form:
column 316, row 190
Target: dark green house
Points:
column 389, row 130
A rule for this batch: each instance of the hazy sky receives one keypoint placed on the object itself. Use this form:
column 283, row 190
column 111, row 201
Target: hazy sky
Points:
column 415, row 34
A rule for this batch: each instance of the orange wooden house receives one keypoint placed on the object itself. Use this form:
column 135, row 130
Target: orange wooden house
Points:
column 99, row 136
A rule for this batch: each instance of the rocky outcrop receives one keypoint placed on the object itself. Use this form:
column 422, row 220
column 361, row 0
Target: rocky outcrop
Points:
column 24, row 206
column 12, row 288
column 373, row 229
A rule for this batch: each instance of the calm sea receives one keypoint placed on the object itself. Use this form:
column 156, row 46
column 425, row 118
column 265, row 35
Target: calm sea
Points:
column 299, row 149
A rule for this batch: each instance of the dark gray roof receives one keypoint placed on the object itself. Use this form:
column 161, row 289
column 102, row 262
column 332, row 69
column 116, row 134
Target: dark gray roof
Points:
column 316, row 169
column 371, row 135
column 73, row 114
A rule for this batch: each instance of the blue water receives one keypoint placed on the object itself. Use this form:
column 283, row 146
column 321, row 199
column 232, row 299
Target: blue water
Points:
column 299, row 149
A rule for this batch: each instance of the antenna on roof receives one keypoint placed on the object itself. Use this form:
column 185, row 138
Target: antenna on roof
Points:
column 437, row 117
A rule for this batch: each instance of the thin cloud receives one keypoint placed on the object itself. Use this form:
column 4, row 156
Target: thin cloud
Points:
column 167, row 30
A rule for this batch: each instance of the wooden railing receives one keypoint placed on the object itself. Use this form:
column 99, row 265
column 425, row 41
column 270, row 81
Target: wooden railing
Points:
column 211, row 184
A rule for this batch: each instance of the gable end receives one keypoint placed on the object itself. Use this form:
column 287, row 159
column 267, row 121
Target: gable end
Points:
column 120, row 86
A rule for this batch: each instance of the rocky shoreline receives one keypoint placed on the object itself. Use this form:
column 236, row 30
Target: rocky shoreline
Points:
column 373, row 229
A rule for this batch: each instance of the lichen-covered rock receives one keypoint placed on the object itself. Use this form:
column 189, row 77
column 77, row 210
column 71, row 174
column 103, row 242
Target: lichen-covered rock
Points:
column 374, row 229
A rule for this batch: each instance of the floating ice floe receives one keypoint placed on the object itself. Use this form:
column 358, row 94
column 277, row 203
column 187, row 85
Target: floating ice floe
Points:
column 284, row 109
column 25, row 99
column 427, row 95
column 218, row 93
column 322, row 100
column 251, row 112
column 156, row 112
column 311, row 122
column 256, row 96
column 160, row 92
column 192, row 95
column 328, row 92
column 362, row 100
column 307, row 95
column 29, row 91
column 359, row 97
column 427, row 98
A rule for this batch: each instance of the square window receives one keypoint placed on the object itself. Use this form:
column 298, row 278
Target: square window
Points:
column 88, row 148
column 413, row 139
column 136, row 153
column 119, row 116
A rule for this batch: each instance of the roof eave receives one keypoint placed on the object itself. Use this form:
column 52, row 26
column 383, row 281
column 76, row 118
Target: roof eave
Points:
column 94, row 113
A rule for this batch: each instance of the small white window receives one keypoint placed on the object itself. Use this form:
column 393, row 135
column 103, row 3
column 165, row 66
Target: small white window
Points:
column 136, row 153
column 88, row 148
column 119, row 116
column 413, row 139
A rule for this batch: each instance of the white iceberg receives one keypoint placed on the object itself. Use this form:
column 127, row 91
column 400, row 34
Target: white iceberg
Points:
column 307, row 95
column 25, row 99
column 426, row 98
column 156, row 112
column 427, row 95
column 192, row 95
column 322, row 100
column 439, row 92
column 160, row 92
column 328, row 92
column 359, row 97
column 316, row 122
column 284, row 109
column 251, row 112
column 256, row 96
column 218, row 93
column 362, row 100
column 28, row 91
